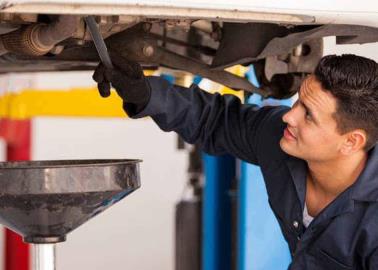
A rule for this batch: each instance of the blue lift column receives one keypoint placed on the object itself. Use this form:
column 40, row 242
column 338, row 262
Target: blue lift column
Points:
column 217, row 199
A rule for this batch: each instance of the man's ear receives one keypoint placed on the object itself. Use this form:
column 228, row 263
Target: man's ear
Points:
column 355, row 140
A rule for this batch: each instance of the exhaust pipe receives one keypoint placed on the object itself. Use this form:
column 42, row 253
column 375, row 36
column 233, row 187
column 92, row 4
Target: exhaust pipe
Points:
column 38, row 39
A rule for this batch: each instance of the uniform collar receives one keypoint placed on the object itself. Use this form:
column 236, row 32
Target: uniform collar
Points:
column 341, row 205
column 364, row 189
column 366, row 186
column 298, row 170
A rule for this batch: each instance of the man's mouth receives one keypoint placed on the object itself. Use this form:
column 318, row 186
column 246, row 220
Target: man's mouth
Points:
column 289, row 135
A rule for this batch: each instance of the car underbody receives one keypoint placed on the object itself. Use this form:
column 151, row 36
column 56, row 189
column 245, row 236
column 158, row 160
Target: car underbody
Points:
column 282, row 54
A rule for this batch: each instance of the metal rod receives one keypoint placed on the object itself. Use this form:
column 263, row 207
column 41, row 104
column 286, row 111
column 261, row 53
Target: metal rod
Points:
column 44, row 257
column 98, row 41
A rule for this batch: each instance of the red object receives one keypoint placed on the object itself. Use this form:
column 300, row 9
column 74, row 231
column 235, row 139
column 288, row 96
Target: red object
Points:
column 16, row 252
column 17, row 134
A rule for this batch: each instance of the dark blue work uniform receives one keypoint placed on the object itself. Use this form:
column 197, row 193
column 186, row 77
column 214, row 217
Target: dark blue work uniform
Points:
column 343, row 236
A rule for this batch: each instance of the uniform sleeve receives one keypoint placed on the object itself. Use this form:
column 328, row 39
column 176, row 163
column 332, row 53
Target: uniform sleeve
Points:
column 219, row 124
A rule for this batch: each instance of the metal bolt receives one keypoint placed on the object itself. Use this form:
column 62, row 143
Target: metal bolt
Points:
column 297, row 51
column 148, row 50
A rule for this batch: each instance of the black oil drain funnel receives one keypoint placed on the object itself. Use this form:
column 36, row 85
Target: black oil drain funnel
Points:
column 45, row 200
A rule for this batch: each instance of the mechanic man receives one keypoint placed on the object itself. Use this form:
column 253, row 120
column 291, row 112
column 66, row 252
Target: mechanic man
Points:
column 319, row 158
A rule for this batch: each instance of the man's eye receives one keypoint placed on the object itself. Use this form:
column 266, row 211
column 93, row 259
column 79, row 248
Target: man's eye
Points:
column 308, row 115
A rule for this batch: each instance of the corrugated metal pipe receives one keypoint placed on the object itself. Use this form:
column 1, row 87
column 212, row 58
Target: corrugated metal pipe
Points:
column 38, row 39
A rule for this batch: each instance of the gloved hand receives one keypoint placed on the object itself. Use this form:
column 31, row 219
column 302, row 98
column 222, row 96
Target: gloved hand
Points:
column 128, row 80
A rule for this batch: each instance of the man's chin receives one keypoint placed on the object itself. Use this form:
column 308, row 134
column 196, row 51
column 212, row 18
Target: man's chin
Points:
column 287, row 148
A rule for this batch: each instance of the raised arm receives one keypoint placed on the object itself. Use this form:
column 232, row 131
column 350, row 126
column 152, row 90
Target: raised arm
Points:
column 219, row 124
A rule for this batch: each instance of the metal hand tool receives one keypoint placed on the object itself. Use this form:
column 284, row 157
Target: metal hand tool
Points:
column 98, row 41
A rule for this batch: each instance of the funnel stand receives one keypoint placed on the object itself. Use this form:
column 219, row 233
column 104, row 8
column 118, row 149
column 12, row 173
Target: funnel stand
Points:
column 44, row 257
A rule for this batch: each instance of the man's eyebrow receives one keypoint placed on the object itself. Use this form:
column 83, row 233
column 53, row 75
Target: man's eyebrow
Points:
column 305, row 106
column 308, row 109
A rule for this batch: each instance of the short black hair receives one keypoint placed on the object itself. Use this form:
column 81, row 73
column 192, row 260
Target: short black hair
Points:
column 353, row 81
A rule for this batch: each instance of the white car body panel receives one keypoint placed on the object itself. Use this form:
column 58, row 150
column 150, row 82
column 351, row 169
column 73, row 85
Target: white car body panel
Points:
column 363, row 12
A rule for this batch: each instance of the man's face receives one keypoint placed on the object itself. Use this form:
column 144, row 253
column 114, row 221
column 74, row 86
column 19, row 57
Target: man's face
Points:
column 311, row 133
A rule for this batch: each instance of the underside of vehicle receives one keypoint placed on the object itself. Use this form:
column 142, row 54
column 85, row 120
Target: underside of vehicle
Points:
column 282, row 54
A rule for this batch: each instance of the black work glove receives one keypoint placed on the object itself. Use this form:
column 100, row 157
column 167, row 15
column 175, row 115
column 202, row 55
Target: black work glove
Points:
column 128, row 80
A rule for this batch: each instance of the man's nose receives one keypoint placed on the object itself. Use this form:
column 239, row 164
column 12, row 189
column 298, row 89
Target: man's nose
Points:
column 290, row 117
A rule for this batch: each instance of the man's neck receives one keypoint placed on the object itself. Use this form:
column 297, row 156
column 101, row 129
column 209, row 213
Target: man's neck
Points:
column 333, row 177
column 326, row 180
